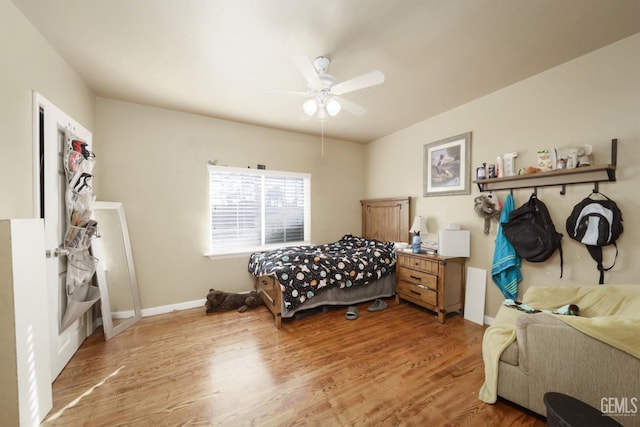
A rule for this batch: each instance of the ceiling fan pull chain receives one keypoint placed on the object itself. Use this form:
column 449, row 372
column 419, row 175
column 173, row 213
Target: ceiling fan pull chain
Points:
column 322, row 146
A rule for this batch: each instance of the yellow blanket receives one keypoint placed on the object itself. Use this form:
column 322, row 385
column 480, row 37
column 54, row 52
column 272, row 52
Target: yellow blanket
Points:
column 609, row 313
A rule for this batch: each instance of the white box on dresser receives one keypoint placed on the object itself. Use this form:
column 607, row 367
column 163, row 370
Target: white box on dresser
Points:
column 454, row 243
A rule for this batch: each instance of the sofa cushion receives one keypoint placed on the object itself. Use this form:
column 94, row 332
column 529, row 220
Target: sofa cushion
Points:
column 510, row 354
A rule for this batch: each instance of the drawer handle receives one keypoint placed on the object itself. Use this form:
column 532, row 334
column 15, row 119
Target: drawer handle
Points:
column 415, row 292
column 415, row 277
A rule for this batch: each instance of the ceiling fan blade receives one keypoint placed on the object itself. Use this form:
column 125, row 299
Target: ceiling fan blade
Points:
column 351, row 107
column 369, row 79
column 290, row 92
column 308, row 71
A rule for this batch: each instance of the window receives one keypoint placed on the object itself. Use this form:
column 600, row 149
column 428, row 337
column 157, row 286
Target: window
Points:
column 255, row 209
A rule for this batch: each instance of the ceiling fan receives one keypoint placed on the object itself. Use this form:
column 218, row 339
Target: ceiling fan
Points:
column 324, row 91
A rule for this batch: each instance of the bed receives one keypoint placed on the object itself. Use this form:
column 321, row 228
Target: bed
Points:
column 351, row 270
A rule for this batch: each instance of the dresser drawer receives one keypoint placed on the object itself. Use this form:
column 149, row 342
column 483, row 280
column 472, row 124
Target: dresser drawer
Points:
column 418, row 278
column 417, row 293
column 421, row 264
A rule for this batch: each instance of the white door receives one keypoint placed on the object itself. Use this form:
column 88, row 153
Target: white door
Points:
column 50, row 124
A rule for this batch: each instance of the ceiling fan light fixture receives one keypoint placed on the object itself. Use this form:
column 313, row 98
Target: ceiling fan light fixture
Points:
column 322, row 114
column 310, row 107
column 333, row 107
column 325, row 93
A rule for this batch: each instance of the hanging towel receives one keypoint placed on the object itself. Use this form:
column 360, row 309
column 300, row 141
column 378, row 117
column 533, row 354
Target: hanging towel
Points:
column 505, row 270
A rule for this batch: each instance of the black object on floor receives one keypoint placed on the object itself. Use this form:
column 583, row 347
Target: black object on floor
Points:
column 566, row 411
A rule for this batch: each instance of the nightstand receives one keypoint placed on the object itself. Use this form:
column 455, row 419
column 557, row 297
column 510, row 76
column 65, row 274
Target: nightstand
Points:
column 430, row 281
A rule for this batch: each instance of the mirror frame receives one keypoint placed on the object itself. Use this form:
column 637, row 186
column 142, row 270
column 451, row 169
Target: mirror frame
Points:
column 98, row 251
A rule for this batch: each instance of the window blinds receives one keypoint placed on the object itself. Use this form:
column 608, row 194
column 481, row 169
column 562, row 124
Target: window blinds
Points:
column 254, row 208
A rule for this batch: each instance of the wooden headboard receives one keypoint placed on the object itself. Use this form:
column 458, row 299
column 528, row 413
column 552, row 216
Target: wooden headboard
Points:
column 386, row 219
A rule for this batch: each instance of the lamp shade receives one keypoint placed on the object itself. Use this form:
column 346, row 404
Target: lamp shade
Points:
column 333, row 107
column 310, row 107
column 419, row 225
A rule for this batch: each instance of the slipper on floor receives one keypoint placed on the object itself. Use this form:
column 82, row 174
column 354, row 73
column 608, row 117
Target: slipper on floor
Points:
column 377, row 305
column 352, row 313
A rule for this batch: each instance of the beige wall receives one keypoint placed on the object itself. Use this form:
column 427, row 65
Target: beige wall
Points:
column 30, row 64
column 155, row 162
column 587, row 101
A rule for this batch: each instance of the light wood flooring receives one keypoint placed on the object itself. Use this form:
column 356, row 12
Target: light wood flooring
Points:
column 398, row 366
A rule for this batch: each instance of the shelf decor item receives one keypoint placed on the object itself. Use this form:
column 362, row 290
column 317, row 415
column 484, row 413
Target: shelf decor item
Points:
column 558, row 177
column 447, row 166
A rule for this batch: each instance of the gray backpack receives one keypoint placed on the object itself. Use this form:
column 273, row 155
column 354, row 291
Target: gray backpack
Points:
column 596, row 223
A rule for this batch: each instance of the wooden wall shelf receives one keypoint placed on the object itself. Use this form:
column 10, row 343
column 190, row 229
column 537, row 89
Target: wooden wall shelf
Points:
column 562, row 177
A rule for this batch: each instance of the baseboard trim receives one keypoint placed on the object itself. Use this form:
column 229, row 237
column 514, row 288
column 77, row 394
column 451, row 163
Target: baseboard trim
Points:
column 163, row 309
column 146, row 312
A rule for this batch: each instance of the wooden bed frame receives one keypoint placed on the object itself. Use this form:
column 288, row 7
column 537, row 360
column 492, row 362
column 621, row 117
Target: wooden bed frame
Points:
column 382, row 219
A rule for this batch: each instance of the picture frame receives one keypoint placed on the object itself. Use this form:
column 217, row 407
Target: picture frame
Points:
column 447, row 166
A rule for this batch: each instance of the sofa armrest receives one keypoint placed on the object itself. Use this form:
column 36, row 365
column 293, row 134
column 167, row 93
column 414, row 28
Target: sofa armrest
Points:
column 528, row 324
column 558, row 357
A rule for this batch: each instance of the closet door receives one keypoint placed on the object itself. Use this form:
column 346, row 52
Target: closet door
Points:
column 50, row 125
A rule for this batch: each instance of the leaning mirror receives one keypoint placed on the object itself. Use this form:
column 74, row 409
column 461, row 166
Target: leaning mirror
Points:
column 115, row 273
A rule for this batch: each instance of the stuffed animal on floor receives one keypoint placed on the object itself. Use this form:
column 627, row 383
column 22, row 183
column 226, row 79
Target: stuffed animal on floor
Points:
column 225, row 301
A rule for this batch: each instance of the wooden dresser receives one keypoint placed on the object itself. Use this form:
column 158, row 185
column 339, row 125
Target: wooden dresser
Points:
column 433, row 282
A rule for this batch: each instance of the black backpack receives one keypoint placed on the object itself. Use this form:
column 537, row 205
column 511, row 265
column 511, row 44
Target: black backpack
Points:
column 531, row 232
column 596, row 223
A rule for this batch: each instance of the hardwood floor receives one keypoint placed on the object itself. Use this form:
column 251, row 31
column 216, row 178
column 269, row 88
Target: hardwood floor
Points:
column 398, row 366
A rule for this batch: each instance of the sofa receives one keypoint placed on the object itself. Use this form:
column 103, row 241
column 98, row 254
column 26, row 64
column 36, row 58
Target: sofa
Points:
column 593, row 357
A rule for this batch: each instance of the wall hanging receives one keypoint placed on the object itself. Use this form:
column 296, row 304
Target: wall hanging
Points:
column 446, row 166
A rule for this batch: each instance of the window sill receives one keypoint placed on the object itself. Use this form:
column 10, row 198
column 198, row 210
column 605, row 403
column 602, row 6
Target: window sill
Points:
column 228, row 256
column 248, row 252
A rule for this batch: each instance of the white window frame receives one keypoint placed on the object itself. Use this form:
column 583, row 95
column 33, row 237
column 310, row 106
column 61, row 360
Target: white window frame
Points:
column 243, row 250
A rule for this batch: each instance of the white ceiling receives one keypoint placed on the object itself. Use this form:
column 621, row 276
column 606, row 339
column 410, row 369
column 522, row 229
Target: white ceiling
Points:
column 225, row 58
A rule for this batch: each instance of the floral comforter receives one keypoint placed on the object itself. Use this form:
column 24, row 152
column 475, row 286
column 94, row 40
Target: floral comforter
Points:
column 305, row 271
